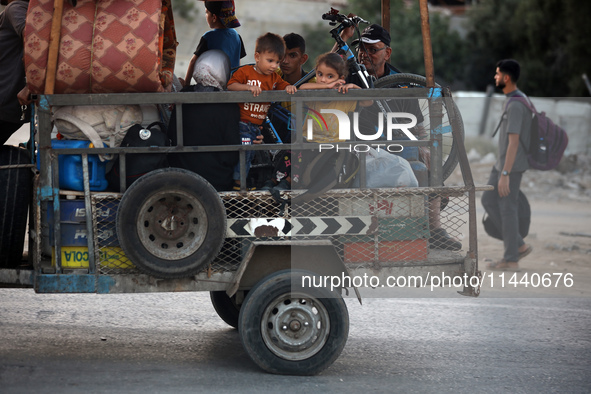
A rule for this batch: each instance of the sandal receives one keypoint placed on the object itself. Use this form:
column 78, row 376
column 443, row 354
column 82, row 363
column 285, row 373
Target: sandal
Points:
column 503, row 265
column 525, row 252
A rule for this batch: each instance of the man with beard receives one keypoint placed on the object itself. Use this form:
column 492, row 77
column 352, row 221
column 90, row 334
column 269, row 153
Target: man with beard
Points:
column 502, row 202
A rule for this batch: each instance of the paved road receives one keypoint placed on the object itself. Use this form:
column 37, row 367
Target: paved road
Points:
column 175, row 343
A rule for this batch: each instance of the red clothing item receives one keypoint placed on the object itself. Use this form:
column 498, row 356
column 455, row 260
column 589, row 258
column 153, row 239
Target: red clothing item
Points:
column 256, row 112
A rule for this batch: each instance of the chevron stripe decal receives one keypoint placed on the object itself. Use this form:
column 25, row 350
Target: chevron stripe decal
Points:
column 300, row 227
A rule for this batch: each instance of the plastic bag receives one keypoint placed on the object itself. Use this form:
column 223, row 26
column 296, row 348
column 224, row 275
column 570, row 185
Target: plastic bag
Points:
column 97, row 123
column 384, row 169
column 212, row 69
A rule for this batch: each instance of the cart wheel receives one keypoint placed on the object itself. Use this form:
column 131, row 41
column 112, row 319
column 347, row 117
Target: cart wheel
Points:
column 225, row 307
column 14, row 205
column 171, row 223
column 452, row 119
column 293, row 331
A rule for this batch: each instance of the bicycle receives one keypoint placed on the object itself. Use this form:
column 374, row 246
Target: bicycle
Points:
column 451, row 118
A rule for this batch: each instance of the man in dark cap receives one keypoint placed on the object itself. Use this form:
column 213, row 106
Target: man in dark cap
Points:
column 13, row 91
column 373, row 50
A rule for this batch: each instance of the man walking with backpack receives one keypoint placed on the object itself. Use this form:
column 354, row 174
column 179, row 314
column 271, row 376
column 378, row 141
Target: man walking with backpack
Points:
column 502, row 202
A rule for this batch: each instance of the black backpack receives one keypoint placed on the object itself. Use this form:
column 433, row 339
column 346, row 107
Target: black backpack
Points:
column 323, row 171
column 548, row 141
column 139, row 164
column 523, row 212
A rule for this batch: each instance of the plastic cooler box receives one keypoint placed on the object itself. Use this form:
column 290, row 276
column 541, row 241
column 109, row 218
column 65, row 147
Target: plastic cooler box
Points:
column 70, row 167
column 74, row 211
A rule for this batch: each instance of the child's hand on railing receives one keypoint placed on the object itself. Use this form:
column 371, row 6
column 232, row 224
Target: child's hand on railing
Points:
column 256, row 90
column 258, row 140
column 345, row 88
column 336, row 84
column 291, row 89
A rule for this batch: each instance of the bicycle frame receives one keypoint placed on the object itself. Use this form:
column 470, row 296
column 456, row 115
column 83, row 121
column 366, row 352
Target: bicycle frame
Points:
column 350, row 56
column 344, row 22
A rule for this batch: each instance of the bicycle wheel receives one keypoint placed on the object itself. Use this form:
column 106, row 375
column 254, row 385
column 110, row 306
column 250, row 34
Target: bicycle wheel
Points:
column 451, row 120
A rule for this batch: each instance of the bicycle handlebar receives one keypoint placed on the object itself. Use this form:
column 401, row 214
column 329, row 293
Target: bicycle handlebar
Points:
column 345, row 21
column 334, row 17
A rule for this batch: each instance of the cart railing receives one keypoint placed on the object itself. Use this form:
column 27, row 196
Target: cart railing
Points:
column 47, row 182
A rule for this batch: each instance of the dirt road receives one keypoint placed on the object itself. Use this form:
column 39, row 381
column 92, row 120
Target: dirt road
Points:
column 560, row 230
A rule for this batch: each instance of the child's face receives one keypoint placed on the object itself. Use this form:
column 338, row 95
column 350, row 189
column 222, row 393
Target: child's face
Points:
column 266, row 62
column 325, row 74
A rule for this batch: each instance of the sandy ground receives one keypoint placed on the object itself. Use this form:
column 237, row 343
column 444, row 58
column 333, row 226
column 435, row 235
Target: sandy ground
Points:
column 560, row 234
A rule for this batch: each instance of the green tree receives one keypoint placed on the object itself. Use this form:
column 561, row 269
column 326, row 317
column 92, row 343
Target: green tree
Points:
column 184, row 9
column 550, row 39
column 407, row 44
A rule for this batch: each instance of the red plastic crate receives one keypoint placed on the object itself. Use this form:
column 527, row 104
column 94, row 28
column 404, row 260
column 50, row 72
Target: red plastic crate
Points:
column 359, row 252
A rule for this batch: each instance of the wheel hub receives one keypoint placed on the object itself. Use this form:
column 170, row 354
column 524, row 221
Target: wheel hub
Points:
column 295, row 325
column 172, row 225
column 295, row 328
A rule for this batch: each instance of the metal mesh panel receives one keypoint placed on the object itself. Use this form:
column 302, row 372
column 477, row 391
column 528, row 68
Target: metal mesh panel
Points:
column 392, row 227
column 403, row 235
column 366, row 226
column 111, row 258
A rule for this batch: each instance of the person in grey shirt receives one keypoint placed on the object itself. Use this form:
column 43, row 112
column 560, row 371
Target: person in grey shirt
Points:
column 13, row 91
column 501, row 203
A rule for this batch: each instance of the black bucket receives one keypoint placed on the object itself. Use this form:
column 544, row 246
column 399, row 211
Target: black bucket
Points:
column 14, row 204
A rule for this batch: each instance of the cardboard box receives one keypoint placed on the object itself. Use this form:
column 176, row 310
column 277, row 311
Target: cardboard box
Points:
column 386, row 207
column 403, row 229
column 397, row 229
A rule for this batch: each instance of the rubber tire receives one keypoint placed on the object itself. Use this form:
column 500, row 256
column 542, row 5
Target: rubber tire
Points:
column 225, row 307
column 272, row 288
column 14, row 205
column 412, row 80
column 161, row 189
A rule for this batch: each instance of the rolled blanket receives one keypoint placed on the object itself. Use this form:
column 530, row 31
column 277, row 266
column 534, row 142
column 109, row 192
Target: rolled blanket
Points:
column 106, row 46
